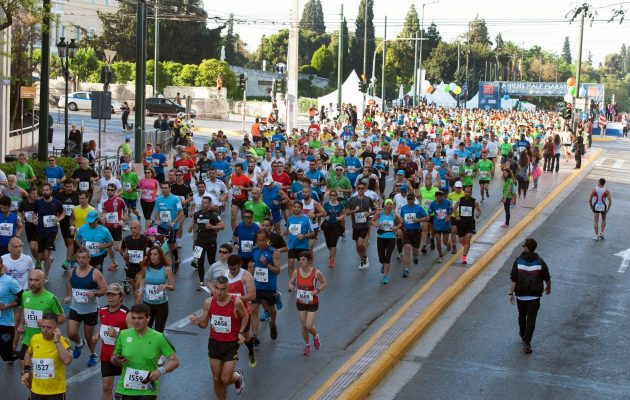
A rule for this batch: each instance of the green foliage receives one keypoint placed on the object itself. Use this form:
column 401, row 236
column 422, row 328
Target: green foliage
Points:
column 313, row 17
column 308, row 69
column 123, row 71
column 273, row 48
column 235, row 49
column 566, row 51
column 442, row 65
column 210, row 69
column 95, row 75
column 84, row 63
column 334, row 48
column 187, row 76
column 164, row 79
column 309, row 43
column 304, row 103
column 323, row 61
column 478, row 32
column 68, row 165
column 305, row 88
column 356, row 43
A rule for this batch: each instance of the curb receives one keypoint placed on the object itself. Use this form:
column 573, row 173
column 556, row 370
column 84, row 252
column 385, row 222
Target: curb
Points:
column 363, row 385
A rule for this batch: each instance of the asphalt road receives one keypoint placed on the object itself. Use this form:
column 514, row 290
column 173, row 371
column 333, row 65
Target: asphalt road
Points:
column 580, row 343
column 354, row 305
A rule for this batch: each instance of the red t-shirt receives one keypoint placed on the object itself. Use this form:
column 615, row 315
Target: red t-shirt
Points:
column 282, row 178
column 224, row 324
column 238, row 184
column 187, row 164
column 113, row 209
column 116, row 319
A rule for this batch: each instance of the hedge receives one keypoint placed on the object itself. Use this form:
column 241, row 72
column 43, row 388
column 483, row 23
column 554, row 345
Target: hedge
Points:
column 68, row 165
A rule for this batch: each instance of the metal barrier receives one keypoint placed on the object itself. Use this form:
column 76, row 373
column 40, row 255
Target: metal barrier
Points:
column 110, row 161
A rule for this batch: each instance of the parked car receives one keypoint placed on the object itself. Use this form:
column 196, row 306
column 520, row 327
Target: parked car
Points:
column 82, row 101
column 158, row 105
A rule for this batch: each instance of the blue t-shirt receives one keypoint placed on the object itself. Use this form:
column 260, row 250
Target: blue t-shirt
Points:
column 45, row 211
column 387, row 225
column 222, row 165
column 158, row 159
column 54, row 176
column 264, row 279
column 416, row 211
column 92, row 237
column 268, row 197
column 168, row 208
column 315, row 177
column 353, row 166
column 333, row 212
column 443, row 184
column 440, row 211
column 246, row 238
column 8, row 226
column 9, row 288
column 463, row 154
column 298, row 225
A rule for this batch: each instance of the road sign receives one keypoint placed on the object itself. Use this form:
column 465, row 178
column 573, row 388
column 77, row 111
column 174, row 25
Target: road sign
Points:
column 27, row 92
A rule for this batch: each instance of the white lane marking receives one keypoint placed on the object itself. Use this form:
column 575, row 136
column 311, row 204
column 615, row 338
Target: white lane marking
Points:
column 84, row 375
column 618, row 163
column 625, row 255
column 599, row 162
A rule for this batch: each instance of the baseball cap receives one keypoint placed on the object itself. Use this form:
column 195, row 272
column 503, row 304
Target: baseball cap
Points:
column 439, row 192
column 269, row 181
column 379, row 156
column 402, row 157
column 124, row 166
column 115, row 288
column 91, row 217
column 458, row 184
column 400, row 172
column 403, row 188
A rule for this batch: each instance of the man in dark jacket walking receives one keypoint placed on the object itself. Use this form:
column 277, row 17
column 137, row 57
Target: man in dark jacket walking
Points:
column 529, row 271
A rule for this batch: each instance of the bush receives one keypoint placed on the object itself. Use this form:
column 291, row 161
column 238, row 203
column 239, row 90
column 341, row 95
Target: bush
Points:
column 68, row 165
column 308, row 69
column 304, row 103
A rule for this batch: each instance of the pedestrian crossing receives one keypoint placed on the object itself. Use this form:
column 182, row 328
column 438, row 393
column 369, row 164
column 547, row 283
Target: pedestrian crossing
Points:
column 614, row 166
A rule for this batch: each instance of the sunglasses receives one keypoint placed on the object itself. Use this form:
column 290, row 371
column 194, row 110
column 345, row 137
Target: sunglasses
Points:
column 111, row 190
column 224, row 252
column 51, row 160
column 179, row 175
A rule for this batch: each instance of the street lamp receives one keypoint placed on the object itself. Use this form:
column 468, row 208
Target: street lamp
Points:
column 66, row 51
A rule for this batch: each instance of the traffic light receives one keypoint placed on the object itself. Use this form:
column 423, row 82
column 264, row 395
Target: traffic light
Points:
column 363, row 86
column 242, row 81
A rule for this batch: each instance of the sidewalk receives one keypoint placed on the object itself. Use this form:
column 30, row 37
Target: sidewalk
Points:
column 373, row 361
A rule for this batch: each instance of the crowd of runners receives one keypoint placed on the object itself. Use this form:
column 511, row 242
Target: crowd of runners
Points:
column 411, row 183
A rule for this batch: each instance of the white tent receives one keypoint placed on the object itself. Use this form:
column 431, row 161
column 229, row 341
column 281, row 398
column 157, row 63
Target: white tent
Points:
column 349, row 94
column 473, row 103
column 438, row 97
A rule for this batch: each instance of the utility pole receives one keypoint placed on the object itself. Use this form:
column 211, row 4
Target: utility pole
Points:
column 44, row 88
column 340, row 59
column 365, row 13
column 578, row 73
column 292, row 65
column 417, row 90
column 458, row 73
column 156, row 57
column 141, row 31
column 383, row 67
column 415, row 70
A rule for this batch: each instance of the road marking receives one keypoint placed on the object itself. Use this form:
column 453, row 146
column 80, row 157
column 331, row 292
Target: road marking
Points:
column 625, row 256
column 618, row 163
column 83, row 375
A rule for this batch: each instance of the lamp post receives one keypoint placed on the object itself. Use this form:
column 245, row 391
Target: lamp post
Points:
column 67, row 52
column 418, row 90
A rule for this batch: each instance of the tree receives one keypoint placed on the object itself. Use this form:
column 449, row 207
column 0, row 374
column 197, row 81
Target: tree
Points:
column 123, row 71
column 433, row 39
column 442, row 65
column 273, row 48
column 404, row 50
column 566, row 51
column 12, row 9
column 187, row 76
column 84, row 63
column 323, row 61
column 313, row 17
column 172, row 70
column 309, row 43
column 498, row 41
column 210, row 69
column 164, row 79
column 478, row 32
column 235, row 50
column 356, row 44
column 334, row 48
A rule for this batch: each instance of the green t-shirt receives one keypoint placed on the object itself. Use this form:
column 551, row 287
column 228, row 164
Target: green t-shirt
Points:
column 35, row 306
column 505, row 148
column 508, row 186
column 125, row 149
column 484, row 167
column 260, row 152
column 339, row 183
column 467, row 173
column 23, row 173
column 337, row 161
column 259, row 209
column 129, row 181
column 315, row 144
column 142, row 354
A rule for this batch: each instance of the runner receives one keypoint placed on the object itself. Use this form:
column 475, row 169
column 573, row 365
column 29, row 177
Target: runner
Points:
column 240, row 184
column 86, row 283
column 244, row 237
column 10, row 225
column 412, row 216
column 168, row 216
column 14, row 192
column 313, row 210
column 508, row 194
column 426, row 196
column 308, row 282
column 138, row 350
column 181, row 188
column 69, row 199
column 133, row 249
column 468, row 210
column 601, row 196
column 130, row 185
column 148, row 192
column 85, row 177
column 24, row 173
column 333, row 225
column 258, row 207
column 228, row 322
column 486, row 172
column 265, row 268
column 274, row 197
column 27, row 214
column 114, row 213
column 95, row 238
column 48, row 212
column 440, row 210
column 360, row 207
column 10, row 294
column 44, row 371
column 54, row 174
column 454, row 197
column 218, row 268
column 298, row 233
column 388, row 224
column 206, row 223
column 156, row 278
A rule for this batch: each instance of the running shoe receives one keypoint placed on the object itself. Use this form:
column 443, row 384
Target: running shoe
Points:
column 273, row 331
column 439, row 260
column 193, row 263
column 385, row 280
column 316, row 343
column 76, row 352
column 405, row 273
column 505, row 226
column 424, row 249
column 415, row 260
column 279, row 303
column 66, row 265
column 239, row 385
column 255, row 341
column 200, row 287
column 331, row 262
column 464, row 260
column 454, row 250
column 527, row 348
column 601, row 236
column 487, row 194
column 252, row 361
column 482, row 199
column 265, row 316
column 399, row 257
column 176, row 268
column 93, row 360
column 449, row 246
column 307, row 349
column 596, row 237
column 366, row 262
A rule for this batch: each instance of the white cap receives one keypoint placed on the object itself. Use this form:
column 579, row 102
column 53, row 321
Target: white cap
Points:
column 458, row 184
column 269, row 181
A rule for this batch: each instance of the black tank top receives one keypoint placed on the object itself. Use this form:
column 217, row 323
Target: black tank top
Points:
column 467, row 210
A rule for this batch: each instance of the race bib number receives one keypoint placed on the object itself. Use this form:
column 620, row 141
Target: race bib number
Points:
column 147, row 194
column 14, row 205
column 304, row 296
column 156, row 162
column 126, row 186
column 43, row 368
column 165, row 216
column 360, row 218
column 197, row 252
column 32, row 317
column 134, row 378
column 387, row 226
column 409, row 218
column 21, row 176
column 53, row 181
column 50, row 221
column 352, row 169
column 466, row 211
column 29, row 216
column 221, row 324
column 295, row 229
column 93, row 248
column 236, row 190
column 135, row 256
column 247, row 246
column 427, row 204
column 67, row 209
column 6, row 229
column 80, row 295
column 469, row 172
column 107, row 339
column 84, row 186
column 153, row 292
column 441, row 214
column 111, row 218
column 483, row 175
column 261, row 275
column 600, row 207
column 442, row 183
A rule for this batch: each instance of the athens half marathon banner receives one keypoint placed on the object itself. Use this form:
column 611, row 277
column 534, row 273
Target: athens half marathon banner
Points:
column 491, row 93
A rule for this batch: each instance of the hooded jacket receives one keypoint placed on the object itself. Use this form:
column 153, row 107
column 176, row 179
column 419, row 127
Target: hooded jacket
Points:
column 529, row 271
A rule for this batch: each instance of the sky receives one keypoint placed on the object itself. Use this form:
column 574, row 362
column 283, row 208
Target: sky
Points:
column 529, row 23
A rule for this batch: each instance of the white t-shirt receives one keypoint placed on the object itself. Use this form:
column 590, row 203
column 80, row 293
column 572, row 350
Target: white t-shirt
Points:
column 18, row 269
column 216, row 188
column 102, row 183
column 197, row 198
